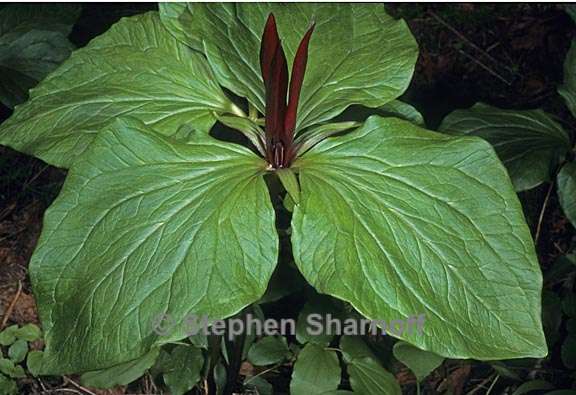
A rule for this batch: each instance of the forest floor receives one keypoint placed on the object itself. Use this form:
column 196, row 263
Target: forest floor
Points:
column 507, row 55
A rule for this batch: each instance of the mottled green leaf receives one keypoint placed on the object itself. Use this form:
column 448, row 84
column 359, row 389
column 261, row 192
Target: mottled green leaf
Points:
column 358, row 54
column 530, row 143
column 147, row 228
column 567, row 190
column 400, row 221
column 316, row 371
column 135, row 68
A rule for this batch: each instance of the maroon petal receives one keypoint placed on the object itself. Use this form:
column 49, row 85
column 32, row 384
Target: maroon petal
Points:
column 276, row 95
column 270, row 43
column 275, row 75
column 296, row 80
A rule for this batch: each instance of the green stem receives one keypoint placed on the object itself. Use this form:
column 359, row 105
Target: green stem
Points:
column 252, row 112
column 237, row 346
column 234, row 109
column 290, row 183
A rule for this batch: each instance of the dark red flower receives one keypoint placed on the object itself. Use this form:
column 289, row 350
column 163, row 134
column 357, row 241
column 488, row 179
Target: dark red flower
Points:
column 281, row 116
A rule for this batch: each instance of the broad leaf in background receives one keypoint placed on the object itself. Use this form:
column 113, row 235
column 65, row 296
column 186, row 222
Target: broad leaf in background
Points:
column 400, row 221
column 420, row 362
column 268, row 350
column 316, row 371
column 567, row 190
column 145, row 227
column 322, row 306
column 367, row 376
column 122, row 374
column 568, row 89
column 358, row 53
column 135, row 68
column 530, row 143
column 395, row 108
column 258, row 384
column 50, row 17
column 355, row 347
column 33, row 42
column 183, row 369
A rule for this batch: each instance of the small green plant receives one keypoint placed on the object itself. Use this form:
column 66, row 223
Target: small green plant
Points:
column 532, row 144
column 14, row 352
column 160, row 217
column 537, row 148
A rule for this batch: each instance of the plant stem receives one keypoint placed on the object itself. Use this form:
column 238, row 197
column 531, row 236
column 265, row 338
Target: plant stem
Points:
column 492, row 385
column 252, row 112
column 213, row 357
column 234, row 109
column 541, row 217
column 235, row 360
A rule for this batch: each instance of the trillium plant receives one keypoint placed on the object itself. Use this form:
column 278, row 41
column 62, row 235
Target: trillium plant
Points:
column 161, row 215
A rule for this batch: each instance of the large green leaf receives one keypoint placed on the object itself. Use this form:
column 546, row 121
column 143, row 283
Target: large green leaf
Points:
column 400, row 221
column 135, row 68
column 122, row 374
column 358, row 54
column 568, row 89
column 528, row 142
column 567, row 190
column 177, row 18
column 147, row 226
column 33, row 42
